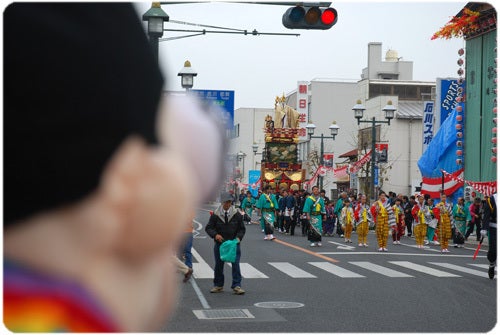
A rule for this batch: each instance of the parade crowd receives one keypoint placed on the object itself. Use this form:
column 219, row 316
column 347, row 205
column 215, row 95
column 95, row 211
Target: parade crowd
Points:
column 429, row 221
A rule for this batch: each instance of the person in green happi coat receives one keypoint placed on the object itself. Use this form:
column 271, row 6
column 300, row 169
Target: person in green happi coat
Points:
column 268, row 205
column 314, row 208
column 247, row 205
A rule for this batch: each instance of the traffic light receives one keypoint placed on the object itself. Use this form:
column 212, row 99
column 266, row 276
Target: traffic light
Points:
column 301, row 17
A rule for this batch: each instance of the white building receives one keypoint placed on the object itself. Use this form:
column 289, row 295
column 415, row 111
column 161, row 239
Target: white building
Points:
column 332, row 100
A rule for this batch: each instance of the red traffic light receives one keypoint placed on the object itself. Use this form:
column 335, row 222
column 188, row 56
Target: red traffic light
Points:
column 313, row 17
column 329, row 16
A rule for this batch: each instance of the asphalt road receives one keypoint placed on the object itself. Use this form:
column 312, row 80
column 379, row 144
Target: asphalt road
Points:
column 292, row 287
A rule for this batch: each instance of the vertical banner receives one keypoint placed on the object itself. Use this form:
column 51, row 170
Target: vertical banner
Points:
column 353, row 181
column 381, row 152
column 253, row 177
column 328, row 160
column 375, row 179
column 427, row 124
column 446, row 97
column 303, row 108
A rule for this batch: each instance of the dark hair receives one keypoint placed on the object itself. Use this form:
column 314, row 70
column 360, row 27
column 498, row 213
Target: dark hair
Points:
column 71, row 98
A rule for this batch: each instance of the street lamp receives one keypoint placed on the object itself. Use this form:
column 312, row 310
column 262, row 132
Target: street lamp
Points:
column 187, row 73
column 334, row 131
column 155, row 16
column 388, row 110
column 255, row 148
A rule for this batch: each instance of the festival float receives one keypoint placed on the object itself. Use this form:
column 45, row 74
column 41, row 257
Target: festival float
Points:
column 280, row 166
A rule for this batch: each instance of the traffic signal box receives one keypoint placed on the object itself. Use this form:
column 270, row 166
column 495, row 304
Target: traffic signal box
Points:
column 301, row 17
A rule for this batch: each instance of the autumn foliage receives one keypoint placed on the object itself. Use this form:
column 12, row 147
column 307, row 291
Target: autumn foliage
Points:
column 459, row 26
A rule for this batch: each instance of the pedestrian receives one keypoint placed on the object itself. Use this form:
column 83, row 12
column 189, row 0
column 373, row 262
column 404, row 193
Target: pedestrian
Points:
column 281, row 210
column 489, row 227
column 330, row 219
column 363, row 218
column 247, row 205
column 241, row 197
column 225, row 224
column 94, row 203
column 353, row 201
column 400, row 222
column 347, row 220
column 383, row 216
column 392, row 198
column 268, row 207
column 420, row 226
column 314, row 209
column 182, row 268
column 338, row 208
column 302, row 217
column 431, row 221
column 326, row 200
column 322, row 193
column 443, row 212
column 188, row 243
column 288, row 215
column 475, row 212
column 460, row 216
column 408, row 204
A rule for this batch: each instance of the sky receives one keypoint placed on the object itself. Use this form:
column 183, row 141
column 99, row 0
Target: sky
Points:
column 259, row 68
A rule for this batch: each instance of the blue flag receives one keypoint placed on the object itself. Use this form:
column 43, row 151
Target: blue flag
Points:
column 441, row 155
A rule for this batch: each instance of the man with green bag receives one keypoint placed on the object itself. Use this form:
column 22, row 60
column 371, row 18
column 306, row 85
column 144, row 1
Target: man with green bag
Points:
column 226, row 224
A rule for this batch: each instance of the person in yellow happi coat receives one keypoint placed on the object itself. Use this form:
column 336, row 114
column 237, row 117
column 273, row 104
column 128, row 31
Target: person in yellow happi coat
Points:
column 420, row 228
column 363, row 218
column 347, row 220
column 383, row 216
column 443, row 212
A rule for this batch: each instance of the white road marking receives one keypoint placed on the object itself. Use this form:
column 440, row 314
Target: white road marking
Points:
column 201, row 269
column 249, row 272
column 462, row 269
column 381, row 269
column 291, row 270
column 424, row 269
column 336, row 270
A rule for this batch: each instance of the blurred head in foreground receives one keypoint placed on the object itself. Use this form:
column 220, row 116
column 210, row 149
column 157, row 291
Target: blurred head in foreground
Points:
column 95, row 191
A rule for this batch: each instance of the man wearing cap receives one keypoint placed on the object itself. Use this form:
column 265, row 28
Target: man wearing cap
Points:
column 226, row 223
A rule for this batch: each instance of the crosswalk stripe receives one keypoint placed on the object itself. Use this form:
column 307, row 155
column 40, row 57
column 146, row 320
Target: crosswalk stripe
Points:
column 381, row 269
column 424, row 269
column 462, row 269
column 248, row 271
column 336, row 270
column 291, row 270
column 201, row 270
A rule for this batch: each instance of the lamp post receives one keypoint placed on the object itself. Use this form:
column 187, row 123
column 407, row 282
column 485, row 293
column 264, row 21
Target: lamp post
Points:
column 388, row 110
column 187, row 74
column 255, row 148
column 334, row 130
column 241, row 157
column 155, row 16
